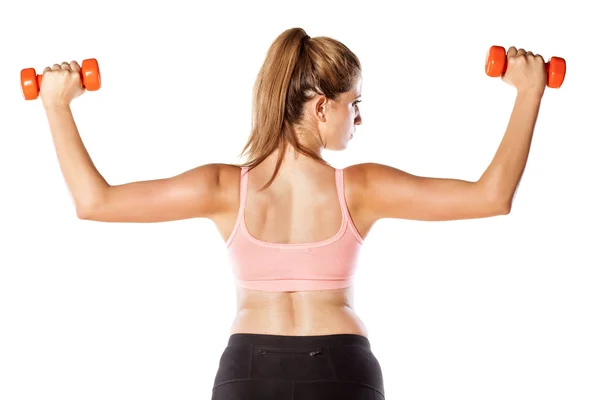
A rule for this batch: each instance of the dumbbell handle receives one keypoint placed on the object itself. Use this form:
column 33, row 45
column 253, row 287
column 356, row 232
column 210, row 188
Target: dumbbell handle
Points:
column 490, row 65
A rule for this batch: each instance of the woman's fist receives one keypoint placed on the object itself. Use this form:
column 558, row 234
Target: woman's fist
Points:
column 525, row 71
column 61, row 84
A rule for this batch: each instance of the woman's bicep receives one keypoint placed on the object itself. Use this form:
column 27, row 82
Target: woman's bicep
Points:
column 192, row 194
column 393, row 193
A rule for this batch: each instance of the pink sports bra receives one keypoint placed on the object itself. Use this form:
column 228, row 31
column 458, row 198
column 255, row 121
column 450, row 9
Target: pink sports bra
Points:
column 323, row 265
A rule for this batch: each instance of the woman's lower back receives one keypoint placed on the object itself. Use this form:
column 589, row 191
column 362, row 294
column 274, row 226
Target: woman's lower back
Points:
column 297, row 313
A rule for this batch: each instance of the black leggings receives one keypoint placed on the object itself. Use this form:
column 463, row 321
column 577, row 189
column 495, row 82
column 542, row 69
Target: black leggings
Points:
column 273, row 367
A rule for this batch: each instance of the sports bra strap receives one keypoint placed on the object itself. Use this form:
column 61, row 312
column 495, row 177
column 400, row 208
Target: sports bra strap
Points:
column 339, row 183
column 243, row 187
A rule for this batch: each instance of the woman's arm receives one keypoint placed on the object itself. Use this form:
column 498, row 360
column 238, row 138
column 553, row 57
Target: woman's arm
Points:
column 195, row 193
column 391, row 193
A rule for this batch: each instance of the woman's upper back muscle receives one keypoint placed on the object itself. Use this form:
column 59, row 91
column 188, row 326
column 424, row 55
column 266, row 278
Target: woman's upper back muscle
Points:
column 300, row 208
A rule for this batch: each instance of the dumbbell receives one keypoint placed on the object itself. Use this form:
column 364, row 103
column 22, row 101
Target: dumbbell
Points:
column 31, row 81
column 496, row 64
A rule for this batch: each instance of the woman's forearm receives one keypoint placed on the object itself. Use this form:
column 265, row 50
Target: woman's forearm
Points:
column 504, row 172
column 84, row 181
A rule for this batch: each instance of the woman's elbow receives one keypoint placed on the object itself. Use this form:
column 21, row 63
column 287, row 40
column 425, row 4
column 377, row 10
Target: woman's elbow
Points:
column 88, row 210
column 502, row 206
column 496, row 202
column 505, row 208
column 84, row 212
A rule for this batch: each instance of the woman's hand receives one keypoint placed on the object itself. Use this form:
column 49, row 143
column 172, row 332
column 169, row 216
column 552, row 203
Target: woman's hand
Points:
column 61, row 84
column 525, row 71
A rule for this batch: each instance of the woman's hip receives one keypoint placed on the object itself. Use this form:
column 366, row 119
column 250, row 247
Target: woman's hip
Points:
column 255, row 366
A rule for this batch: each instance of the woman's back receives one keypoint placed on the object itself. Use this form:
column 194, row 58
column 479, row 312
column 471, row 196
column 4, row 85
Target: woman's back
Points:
column 293, row 247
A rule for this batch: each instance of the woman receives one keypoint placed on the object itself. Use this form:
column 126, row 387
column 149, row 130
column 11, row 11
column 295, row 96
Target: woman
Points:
column 293, row 225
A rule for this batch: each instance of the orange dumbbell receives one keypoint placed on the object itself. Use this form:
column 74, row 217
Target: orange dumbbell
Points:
column 31, row 81
column 495, row 66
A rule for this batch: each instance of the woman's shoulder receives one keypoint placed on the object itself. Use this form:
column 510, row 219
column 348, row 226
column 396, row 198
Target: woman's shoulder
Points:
column 364, row 182
column 228, row 175
column 367, row 173
column 358, row 175
column 356, row 184
column 229, row 178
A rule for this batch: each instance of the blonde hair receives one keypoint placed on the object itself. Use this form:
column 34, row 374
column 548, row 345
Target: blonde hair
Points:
column 295, row 68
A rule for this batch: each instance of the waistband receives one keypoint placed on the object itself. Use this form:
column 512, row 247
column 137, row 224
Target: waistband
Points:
column 344, row 339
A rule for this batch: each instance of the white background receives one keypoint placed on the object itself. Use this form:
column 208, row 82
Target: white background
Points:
column 498, row 308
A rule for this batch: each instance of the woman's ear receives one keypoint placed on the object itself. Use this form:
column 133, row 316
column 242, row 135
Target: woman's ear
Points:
column 320, row 107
